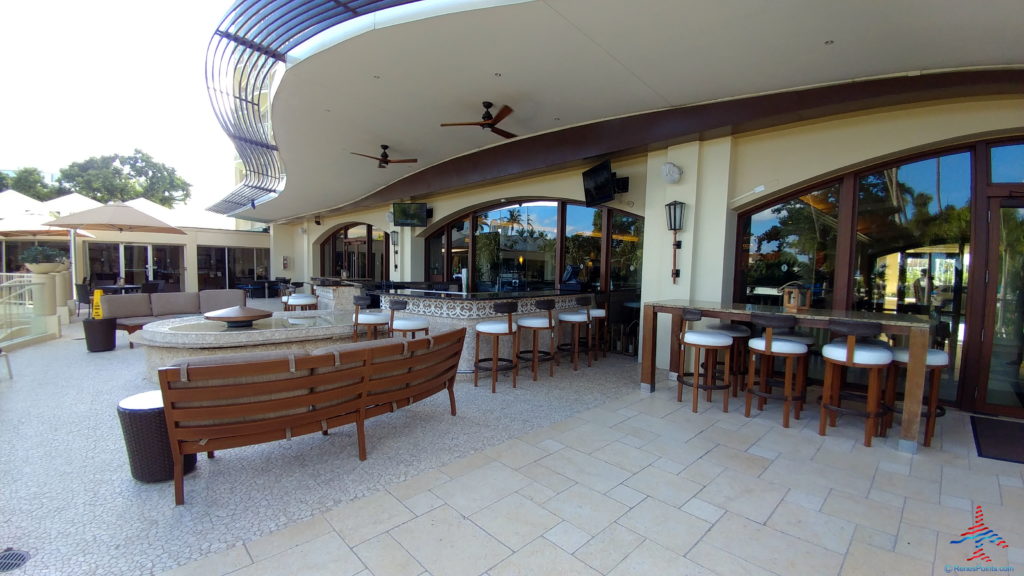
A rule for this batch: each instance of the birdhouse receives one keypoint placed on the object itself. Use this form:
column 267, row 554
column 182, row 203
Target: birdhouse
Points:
column 795, row 298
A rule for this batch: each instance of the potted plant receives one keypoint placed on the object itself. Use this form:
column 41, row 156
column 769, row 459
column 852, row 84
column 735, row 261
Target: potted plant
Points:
column 44, row 259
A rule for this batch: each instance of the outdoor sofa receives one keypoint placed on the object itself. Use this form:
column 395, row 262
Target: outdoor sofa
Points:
column 133, row 311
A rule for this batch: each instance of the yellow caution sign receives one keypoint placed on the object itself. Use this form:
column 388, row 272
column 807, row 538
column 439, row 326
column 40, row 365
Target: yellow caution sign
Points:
column 97, row 309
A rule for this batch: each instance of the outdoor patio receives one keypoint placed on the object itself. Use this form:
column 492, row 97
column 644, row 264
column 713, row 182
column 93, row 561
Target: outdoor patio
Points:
column 582, row 474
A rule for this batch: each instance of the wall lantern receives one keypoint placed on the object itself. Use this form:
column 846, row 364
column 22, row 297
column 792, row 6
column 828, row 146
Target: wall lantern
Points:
column 675, row 214
column 394, row 244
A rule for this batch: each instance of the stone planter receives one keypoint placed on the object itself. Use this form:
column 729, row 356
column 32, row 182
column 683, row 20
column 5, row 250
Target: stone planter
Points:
column 45, row 267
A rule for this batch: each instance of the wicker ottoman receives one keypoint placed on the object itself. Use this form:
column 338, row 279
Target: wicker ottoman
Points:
column 145, row 438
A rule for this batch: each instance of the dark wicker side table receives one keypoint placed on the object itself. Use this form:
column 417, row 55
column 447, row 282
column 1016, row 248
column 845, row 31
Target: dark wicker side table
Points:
column 145, row 438
column 100, row 334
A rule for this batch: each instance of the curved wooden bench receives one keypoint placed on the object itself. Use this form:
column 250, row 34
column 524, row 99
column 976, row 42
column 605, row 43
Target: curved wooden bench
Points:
column 218, row 402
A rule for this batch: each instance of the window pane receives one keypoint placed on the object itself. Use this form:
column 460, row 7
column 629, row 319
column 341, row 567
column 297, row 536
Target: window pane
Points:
column 794, row 241
column 212, row 264
column 582, row 248
column 627, row 252
column 515, row 248
column 459, row 253
column 1008, row 164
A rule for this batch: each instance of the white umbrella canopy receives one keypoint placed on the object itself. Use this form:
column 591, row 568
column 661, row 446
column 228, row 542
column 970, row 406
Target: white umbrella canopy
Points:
column 115, row 217
column 31, row 225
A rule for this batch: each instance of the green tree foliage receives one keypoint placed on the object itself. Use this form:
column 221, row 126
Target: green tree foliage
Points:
column 119, row 178
column 31, row 183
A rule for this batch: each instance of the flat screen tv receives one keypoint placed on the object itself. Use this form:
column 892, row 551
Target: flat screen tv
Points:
column 410, row 214
column 599, row 184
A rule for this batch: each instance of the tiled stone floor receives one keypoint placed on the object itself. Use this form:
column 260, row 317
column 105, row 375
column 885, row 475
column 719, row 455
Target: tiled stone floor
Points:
column 632, row 484
column 641, row 485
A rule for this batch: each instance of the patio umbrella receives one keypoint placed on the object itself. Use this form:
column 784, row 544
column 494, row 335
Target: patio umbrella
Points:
column 115, row 217
column 31, row 225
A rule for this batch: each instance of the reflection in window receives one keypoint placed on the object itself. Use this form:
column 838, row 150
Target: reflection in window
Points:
column 794, row 241
column 627, row 249
column 913, row 229
column 515, row 248
column 1007, row 164
column 582, row 248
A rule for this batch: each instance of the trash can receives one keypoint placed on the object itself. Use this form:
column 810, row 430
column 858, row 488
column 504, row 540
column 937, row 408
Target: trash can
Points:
column 145, row 438
column 100, row 334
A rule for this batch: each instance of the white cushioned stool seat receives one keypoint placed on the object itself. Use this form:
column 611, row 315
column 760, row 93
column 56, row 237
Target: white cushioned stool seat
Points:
column 408, row 324
column 795, row 336
column 495, row 327
column 780, row 345
column 534, row 322
column 299, row 299
column 573, row 316
column 372, row 318
column 862, row 354
column 707, row 338
column 596, row 313
column 934, row 358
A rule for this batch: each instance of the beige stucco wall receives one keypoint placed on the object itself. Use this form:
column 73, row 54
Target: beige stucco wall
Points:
column 721, row 177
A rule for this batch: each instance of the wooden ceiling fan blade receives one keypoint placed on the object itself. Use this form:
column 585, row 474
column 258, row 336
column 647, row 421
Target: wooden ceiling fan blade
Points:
column 502, row 114
column 403, row 161
column 464, row 124
column 377, row 158
column 502, row 133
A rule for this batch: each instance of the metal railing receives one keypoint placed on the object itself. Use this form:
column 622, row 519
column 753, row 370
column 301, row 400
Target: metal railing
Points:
column 18, row 320
column 247, row 50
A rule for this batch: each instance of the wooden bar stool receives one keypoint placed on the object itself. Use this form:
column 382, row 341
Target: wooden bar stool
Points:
column 710, row 343
column 739, row 334
column 767, row 348
column 853, row 354
column 373, row 321
column 576, row 320
column 935, row 363
column 294, row 302
column 406, row 326
column 536, row 324
column 599, row 323
column 496, row 329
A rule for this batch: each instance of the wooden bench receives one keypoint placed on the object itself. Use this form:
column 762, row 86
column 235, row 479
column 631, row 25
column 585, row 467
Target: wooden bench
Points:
column 217, row 402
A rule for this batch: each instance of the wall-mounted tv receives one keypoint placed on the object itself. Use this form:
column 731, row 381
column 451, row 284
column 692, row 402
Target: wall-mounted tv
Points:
column 410, row 214
column 599, row 184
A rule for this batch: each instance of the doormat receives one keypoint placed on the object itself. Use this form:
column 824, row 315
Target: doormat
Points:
column 999, row 439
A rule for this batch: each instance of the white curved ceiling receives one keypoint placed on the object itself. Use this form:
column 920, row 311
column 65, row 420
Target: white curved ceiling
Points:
column 563, row 62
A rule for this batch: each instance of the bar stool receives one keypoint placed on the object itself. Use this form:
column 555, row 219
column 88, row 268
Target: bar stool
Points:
column 575, row 320
column 535, row 324
column 406, row 326
column 739, row 334
column 599, row 323
column 710, row 342
column 496, row 329
column 373, row 321
column 767, row 348
column 935, row 362
column 294, row 302
column 853, row 354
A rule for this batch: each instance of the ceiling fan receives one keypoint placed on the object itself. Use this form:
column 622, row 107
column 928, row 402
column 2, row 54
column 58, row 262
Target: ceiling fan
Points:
column 487, row 121
column 383, row 160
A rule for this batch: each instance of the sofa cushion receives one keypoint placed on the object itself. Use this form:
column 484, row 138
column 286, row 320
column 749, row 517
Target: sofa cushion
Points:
column 125, row 305
column 135, row 321
column 168, row 303
column 210, row 300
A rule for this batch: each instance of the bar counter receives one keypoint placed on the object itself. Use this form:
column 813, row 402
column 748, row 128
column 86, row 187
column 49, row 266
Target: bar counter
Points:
column 448, row 310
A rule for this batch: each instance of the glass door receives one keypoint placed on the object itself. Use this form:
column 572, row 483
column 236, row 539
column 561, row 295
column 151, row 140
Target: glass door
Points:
column 137, row 263
column 1001, row 390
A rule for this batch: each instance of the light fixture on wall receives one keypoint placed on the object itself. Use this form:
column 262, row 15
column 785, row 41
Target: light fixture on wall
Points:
column 671, row 172
column 675, row 213
column 394, row 245
column 316, row 220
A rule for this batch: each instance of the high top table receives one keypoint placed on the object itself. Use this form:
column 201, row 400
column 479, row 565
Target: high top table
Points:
column 916, row 328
